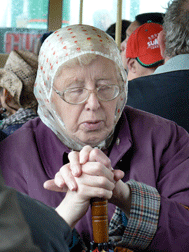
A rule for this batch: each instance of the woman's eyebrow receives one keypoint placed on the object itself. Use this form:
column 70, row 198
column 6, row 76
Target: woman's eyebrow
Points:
column 74, row 83
column 108, row 79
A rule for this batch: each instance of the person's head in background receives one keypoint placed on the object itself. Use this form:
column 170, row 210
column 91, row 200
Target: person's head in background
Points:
column 174, row 39
column 17, row 80
column 40, row 41
column 143, row 53
column 112, row 29
column 155, row 17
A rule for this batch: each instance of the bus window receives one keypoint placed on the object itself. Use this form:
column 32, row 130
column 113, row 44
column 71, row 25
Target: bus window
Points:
column 103, row 13
column 22, row 22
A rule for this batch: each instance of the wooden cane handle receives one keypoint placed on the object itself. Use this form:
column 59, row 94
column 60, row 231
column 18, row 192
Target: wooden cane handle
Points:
column 99, row 209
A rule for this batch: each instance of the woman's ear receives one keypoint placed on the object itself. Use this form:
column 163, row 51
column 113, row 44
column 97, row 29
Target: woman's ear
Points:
column 131, row 65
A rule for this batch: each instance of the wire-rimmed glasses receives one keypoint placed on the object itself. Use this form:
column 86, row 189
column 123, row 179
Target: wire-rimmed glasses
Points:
column 79, row 95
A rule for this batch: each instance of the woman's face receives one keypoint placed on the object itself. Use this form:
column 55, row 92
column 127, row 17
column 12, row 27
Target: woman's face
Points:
column 92, row 121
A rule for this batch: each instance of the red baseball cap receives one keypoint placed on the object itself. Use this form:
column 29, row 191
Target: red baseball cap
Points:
column 143, row 46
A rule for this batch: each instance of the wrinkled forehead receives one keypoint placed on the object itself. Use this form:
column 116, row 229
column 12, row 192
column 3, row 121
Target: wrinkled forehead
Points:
column 87, row 67
column 70, row 42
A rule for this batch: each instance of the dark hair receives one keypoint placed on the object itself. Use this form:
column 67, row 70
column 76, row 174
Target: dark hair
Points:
column 111, row 29
column 155, row 17
column 44, row 36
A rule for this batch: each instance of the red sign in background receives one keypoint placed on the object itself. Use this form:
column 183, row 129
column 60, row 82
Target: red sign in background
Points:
column 20, row 41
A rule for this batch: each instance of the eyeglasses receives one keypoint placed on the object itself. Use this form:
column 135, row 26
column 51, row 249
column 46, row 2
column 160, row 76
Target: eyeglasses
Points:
column 79, row 95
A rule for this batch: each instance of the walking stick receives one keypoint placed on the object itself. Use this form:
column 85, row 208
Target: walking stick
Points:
column 99, row 209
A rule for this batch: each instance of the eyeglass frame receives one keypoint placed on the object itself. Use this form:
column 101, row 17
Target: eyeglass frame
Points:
column 61, row 93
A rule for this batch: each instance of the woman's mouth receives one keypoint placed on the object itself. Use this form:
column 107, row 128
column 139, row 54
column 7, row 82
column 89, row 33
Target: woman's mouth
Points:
column 93, row 125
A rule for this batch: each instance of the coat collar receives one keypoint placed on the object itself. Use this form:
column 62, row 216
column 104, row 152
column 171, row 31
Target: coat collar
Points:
column 176, row 63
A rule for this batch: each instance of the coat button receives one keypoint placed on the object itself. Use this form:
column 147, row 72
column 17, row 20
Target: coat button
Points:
column 117, row 141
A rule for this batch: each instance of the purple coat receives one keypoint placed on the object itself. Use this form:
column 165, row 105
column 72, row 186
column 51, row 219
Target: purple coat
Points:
column 147, row 148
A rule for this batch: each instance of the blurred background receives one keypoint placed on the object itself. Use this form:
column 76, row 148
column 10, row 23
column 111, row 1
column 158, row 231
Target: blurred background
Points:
column 22, row 22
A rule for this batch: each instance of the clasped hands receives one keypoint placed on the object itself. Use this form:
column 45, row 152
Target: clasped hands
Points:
column 87, row 175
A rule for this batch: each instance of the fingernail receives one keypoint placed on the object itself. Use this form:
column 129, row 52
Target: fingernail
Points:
column 81, row 160
column 76, row 171
column 60, row 183
column 71, row 186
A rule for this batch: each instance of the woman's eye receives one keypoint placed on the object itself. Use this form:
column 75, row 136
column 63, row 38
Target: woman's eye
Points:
column 77, row 91
column 104, row 88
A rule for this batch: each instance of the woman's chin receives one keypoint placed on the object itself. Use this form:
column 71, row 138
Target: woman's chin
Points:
column 92, row 141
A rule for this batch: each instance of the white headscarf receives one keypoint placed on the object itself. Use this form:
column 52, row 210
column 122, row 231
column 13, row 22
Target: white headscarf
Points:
column 61, row 46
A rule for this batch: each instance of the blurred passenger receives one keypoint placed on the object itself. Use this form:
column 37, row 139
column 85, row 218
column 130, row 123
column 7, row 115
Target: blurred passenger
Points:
column 15, row 234
column 143, row 52
column 112, row 29
column 16, row 90
column 155, row 17
column 166, row 92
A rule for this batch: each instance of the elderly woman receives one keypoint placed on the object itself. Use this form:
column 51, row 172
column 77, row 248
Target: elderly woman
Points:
column 17, row 78
column 86, row 130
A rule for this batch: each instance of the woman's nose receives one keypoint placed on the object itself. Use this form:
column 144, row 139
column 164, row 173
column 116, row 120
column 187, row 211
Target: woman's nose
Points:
column 92, row 101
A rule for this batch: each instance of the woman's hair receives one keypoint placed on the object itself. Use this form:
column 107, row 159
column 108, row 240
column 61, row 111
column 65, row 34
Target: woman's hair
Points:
column 176, row 27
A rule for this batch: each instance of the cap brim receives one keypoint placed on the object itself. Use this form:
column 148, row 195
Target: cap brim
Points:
column 150, row 60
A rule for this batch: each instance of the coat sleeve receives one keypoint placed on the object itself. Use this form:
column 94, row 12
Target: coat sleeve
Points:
column 140, row 228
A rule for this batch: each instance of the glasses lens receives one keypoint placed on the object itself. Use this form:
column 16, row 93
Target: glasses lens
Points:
column 79, row 95
column 75, row 95
column 108, row 92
